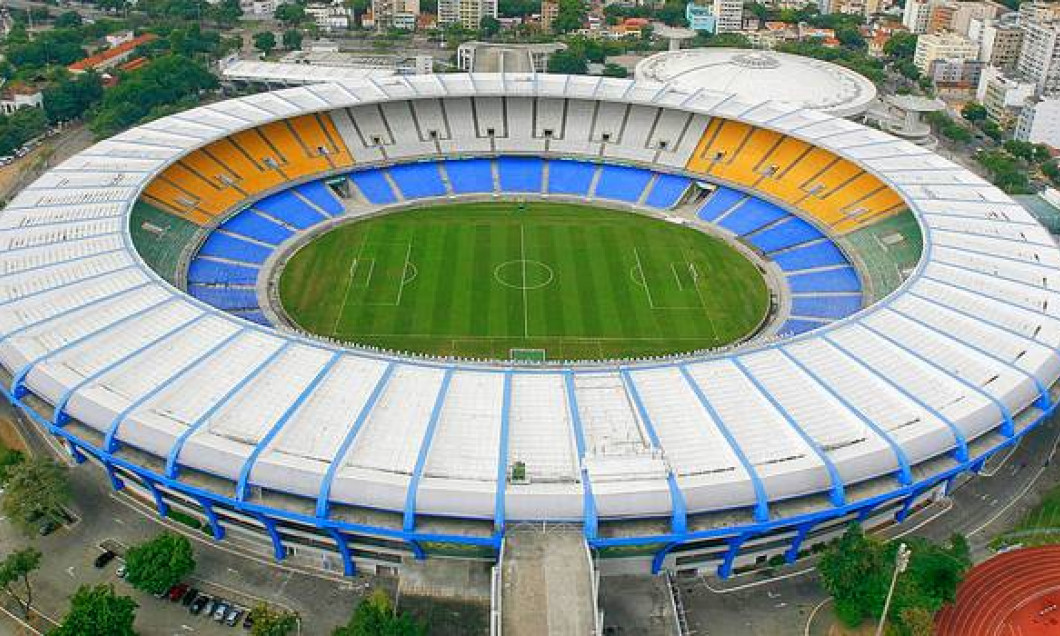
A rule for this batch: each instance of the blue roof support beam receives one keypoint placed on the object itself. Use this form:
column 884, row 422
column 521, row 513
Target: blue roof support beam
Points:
column 409, row 516
column 591, row 519
column 18, row 382
column 502, row 455
column 60, row 417
column 216, row 529
column 761, row 507
column 324, row 496
column 725, row 569
column 838, row 496
column 960, row 443
column 1007, row 427
column 348, row 567
column 174, row 453
column 110, row 443
column 792, row 553
column 679, row 513
column 905, row 474
column 278, row 551
column 243, row 484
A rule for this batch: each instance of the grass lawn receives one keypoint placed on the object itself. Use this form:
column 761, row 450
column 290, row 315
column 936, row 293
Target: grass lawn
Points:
column 485, row 279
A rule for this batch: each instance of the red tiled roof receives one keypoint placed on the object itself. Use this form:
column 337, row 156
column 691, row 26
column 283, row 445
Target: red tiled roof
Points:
column 102, row 58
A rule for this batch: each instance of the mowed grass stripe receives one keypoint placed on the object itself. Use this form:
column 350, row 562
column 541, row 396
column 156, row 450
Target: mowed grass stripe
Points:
column 455, row 305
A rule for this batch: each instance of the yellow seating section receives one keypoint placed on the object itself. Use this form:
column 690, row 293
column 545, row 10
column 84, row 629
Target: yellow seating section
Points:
column 833, row 190
column 217, row 177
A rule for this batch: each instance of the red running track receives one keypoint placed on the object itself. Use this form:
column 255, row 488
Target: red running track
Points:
column 1013, row 594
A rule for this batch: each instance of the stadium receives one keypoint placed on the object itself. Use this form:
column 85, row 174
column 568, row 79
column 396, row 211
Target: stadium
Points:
column 240, row 312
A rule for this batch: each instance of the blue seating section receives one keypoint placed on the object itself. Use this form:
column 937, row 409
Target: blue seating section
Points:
column 257, row 227
column 417, row 180
column 206, row 272
column 374, row 186
column 795, row 326
column 751, row 215
column 810, row 257
column 233, row 249
column 832, row 280
column 469, row 176
column 788, row 233
column 832, row 307
column 622, row 183
column 321, row 196
column 226, row 298
column 719, row 203
column 520, row 174
column 570, row 177
column 288, row 208
column 667, row 191
column 225, row 270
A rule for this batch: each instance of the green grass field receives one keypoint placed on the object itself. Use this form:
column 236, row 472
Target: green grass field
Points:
column 486, row 279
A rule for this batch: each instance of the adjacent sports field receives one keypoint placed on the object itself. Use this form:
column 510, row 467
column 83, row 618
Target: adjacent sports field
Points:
column 527, row 280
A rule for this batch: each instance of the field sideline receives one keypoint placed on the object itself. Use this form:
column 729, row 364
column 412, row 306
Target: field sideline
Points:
column 481, row 279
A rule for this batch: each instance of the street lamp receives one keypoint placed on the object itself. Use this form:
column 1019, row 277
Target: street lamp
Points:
column 901, row 562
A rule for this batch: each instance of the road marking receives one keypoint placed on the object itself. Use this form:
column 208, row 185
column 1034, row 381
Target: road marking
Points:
column 809, row 619
column 1019, row 497
column 70, row 571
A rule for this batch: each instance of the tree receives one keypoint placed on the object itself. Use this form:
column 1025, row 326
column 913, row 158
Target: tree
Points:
column 98, row 611
column 974, row 112
column 672, row 13
column 375, row 616
column 9, row 458
column 569, row 62
column 68, row 20
column 272, row 622
column 615, row 70
column 16, row 567
column 290, row 14
column 226, row 13
column 489, row 26
column 855, row 573
column 569, row 17
column 292, row 39
column 265, row 42
column 157, row 565
column 37, row 489
column 69, row 99
column 901, row 46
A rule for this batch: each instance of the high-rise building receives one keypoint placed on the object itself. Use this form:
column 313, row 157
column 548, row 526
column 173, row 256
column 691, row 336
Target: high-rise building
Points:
column 965, row 12
column 943, row 46
column 915, row 17
column 395, row 14
column 728, row 15
column 940, row 16
column 468, row 13
column 549, row 11
column 1039, row 59
column 999, row 45
column 1002, row 96
column 1039, row 122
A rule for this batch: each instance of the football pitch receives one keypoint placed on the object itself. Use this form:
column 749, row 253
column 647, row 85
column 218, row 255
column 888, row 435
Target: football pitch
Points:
column 530, row 281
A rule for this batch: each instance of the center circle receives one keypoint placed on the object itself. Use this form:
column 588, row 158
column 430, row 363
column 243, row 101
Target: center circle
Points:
column 523, row 274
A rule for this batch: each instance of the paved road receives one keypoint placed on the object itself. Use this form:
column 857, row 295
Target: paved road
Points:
column 68, row 554
column 981, row 509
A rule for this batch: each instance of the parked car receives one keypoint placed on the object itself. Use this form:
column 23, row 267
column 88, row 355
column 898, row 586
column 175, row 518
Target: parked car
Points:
column 233, row 616
column 47, row 528
column 248, row 622
column 177, row 592
column 122, row 571
column 199, row 604
column 104, row 558
column 221, row 611
column 189, row 596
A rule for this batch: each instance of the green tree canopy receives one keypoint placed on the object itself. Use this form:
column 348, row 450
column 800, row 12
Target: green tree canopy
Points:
column 376, row 616
column 98, row 611
column 37, row 489
column 489, row 27
column 569, row 62
column 290, row 13
column 69, row 98
column 569, row 17
column 69, row 19
column 856, row 570
column 269, row 621
column 292, row 39
column 157, row 565
column 901, row 46
column 974, row 111
column 265, row 42
column 17, row 567
column 615, row 70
